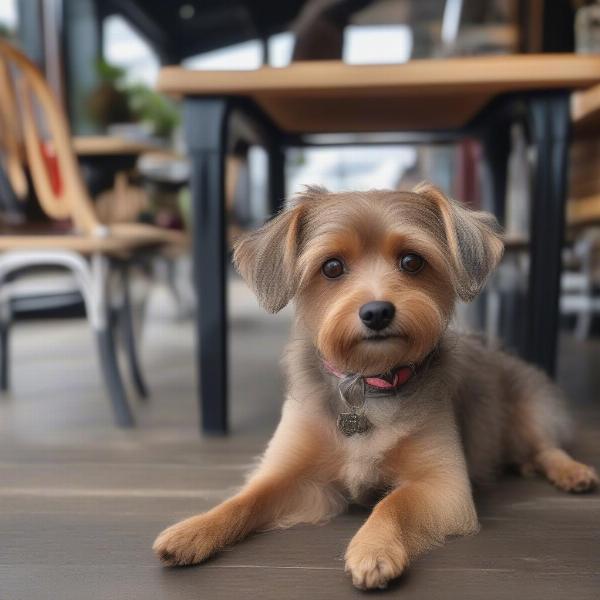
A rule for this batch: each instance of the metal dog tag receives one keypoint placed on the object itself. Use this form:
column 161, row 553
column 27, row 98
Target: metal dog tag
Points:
column 352, row 423
column 352, row 392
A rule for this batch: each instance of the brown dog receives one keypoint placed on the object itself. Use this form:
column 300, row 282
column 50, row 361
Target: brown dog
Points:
column 383, row 399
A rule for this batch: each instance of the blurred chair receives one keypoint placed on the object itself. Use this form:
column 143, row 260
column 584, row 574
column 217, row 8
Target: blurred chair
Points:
column 581, row 282
column 36, row 142
column 580, row 287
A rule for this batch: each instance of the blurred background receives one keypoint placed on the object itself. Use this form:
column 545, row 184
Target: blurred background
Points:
column 101, row 59
column 96, row 335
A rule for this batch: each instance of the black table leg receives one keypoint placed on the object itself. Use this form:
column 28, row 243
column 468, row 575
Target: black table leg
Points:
column 276, row 181
column 496, row 146
column 205, row 121
column 549, row 128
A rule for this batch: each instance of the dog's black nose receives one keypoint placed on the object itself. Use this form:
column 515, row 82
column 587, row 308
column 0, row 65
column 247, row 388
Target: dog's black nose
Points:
column 377, row 315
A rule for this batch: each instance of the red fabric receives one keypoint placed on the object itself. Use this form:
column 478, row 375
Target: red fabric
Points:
column 52, row 167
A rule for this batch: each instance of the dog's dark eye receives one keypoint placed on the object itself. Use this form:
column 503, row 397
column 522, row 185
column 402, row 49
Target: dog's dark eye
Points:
column 332, row 268
column 411, row 263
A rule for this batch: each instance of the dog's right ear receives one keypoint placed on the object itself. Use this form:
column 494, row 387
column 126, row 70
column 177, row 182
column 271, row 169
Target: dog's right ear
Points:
column 266, row 258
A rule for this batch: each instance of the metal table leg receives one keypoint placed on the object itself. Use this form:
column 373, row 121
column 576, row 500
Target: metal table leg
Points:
column 205, row 121
column 276, row 177
column 549, row 128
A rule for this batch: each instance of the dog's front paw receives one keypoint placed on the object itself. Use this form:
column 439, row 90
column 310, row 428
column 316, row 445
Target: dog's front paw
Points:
column 373, row 560
column 188, row 542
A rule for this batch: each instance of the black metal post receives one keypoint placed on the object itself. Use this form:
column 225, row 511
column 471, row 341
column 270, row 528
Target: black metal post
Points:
column 549, row 130
column 496, row 146
column 205, row 121
column 4, row 355
column 276, row 180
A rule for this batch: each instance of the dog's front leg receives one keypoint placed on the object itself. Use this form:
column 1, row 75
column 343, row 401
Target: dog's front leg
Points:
column 291, row 485
column 430, row 501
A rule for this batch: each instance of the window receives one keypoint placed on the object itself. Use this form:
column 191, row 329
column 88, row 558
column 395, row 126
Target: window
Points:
column 377, row 44
column 350, row 167
column 281, row 46
column 245, row 56
column 125, row 48
column 8, row 18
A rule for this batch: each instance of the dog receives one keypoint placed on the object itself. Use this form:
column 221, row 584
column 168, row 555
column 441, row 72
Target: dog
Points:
column 385, row 402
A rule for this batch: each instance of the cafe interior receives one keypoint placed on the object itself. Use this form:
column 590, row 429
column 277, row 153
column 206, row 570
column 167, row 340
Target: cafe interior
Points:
column 140, row 378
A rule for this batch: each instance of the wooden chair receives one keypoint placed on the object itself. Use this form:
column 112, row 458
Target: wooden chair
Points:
column 10, row 138
column 35, row 139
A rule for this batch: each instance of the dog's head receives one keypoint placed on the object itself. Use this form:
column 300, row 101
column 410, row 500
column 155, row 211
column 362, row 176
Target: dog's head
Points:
column 375, row 274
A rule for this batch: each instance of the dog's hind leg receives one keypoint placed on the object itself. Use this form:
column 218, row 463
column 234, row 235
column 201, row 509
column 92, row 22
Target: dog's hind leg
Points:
column 539, row 428
column 564, row 471
column 291, row 485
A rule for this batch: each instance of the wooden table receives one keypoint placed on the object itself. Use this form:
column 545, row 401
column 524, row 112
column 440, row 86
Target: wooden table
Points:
column 430, row 99
column 103, row 156
column 109, row 145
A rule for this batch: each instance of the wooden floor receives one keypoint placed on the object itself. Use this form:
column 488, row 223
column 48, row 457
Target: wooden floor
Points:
column 81, row 502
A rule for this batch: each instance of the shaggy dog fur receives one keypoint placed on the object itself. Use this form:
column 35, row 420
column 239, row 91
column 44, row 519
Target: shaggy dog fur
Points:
column 467, row 411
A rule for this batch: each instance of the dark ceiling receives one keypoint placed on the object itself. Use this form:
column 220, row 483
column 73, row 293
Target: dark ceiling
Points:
column 181, row 28
column 178, row 29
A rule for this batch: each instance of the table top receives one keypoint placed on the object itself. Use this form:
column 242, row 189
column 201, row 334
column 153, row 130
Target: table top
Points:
column 331, row 96
column 108, row 145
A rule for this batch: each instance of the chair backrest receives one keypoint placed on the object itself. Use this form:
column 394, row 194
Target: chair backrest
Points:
column 38, row 123
column 11, row 143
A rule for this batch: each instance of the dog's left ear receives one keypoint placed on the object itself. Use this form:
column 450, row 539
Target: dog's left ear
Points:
column 266, row 258
column 474, row 240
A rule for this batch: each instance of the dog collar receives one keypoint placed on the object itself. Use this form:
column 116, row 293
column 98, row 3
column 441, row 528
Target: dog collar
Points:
column 385, row 382
column 353, row 389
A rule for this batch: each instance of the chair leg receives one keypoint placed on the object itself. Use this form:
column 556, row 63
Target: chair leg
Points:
column 583, row 325
column 112, row 376
column 4, row 355
column 5, row 324
column 101, row 318
column 171, row 280
column 128, row 337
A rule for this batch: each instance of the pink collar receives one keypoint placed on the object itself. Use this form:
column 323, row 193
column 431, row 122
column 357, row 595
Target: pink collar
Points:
column 396, row 378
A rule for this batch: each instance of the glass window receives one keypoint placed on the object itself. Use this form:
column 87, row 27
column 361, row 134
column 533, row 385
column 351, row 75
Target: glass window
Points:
column 244, row 56
column 125, row 48
column 8, row 18
column 347, row 167
column 377, row 44
column 281, row 46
